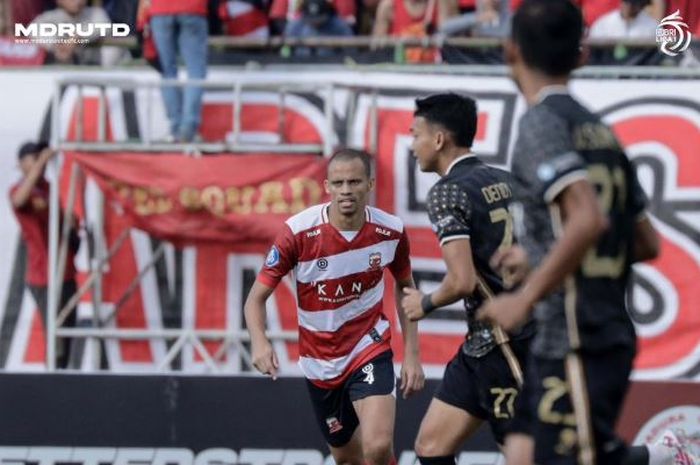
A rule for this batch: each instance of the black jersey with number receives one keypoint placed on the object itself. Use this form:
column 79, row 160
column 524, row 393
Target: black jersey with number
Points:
column 471, row 202
column 561, row 142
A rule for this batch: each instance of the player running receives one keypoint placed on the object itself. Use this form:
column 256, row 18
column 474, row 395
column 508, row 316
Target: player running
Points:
column 580, row 215
column 338, row 252
column 468, row 208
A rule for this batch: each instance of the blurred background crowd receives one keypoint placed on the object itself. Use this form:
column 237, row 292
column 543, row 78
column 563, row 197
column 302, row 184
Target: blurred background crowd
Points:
column 188, row 22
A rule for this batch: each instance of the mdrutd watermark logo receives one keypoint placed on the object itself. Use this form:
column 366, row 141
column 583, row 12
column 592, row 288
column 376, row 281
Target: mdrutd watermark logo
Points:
column 48, row 33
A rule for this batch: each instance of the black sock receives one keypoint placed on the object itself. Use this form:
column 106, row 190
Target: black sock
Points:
column 637, row 455
column 443, row 460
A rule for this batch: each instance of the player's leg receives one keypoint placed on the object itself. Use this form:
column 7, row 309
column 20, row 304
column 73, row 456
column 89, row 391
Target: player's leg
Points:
column 519, row 444
column 453, row 415
column 372, row 389
column 338, row 423
column 376, row 415
column 598, row 385
column 443, row 430
column 519, row 449
column 349, row 453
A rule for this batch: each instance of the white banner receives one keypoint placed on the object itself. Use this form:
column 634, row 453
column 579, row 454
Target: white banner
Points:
column 658, row 122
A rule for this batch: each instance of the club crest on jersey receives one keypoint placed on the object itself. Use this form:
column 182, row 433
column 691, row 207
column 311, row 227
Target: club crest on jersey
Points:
column 333, row 425
column 322, row 263
column 375, row 260
column 273, row 257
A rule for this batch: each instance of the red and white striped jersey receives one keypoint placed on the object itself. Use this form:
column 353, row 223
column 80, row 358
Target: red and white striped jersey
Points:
column 339, row 286
column 242, row 19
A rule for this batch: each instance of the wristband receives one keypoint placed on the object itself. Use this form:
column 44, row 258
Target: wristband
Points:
column 426, row 304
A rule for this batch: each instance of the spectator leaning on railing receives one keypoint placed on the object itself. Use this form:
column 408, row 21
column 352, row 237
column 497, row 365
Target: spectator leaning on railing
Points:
column 284, row 11
column 75, row 12
column 318, row 19
column 180, row 27
column 491, row 19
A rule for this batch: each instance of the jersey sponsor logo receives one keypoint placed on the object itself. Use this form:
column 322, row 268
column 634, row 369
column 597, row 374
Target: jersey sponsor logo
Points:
column 339, row 294
column 375, row 260
column 322, row 263
column 444, row 222
column 273, row 257
column 383, row 232
column 374, row 334
column 545, row 172
column 368, row 370
column 313, row 233
column 334, row 425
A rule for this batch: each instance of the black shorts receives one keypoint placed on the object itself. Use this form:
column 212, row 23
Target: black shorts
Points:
column 333, row 407
column 486, row 387
column 596, row 383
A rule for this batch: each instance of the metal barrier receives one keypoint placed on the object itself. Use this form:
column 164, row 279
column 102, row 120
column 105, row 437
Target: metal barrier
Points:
column 58, row 242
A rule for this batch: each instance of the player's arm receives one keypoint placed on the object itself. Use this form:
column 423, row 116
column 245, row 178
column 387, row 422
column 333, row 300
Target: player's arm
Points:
column 263, row 355
column 646, row 243
column 449, row 209
column 646, row 240
column 21, row 195
column 280, row 260
column 383, row 19
column 556, row 173
column 583, row 223
column 412, row 376
column 458, row 283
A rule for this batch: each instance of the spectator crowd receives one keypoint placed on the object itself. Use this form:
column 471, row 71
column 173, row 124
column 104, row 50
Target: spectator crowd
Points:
column 610, row 19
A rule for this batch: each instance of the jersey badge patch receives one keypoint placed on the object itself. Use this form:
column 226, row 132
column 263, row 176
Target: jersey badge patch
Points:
column 273, row 257
column 375, row 260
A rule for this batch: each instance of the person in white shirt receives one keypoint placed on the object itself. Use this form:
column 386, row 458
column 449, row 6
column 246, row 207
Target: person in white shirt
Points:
column 630, row 21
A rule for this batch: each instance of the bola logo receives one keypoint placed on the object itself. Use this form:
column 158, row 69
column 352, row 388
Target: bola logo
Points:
column 673, row 34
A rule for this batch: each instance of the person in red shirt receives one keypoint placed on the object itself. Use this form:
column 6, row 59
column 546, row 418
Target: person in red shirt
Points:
column 338, row 253
column 413, row 18
column 30, row 202
column 180, row 28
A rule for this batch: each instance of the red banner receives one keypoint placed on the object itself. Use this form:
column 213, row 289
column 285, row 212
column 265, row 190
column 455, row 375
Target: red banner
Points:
column 235, row 199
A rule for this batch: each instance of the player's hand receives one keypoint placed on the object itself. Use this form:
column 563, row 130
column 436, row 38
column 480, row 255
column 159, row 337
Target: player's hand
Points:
column 512, row 264
column 264, row 358
column 46, row 154
column 412, row 376
column 508, row 310
column 411, row 303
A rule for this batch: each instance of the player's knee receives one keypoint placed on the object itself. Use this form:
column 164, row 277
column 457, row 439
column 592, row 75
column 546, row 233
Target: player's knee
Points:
column 424, row 446
column 348, row 458
column 378, row 450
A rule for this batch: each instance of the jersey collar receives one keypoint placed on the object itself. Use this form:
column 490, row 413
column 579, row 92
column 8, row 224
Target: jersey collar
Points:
column 546, row 91
column 457, row 160
column 325, row 218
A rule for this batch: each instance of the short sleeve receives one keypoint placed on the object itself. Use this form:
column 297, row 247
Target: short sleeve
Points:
column 280, row 260
column 401, row 266
column 449, row 210
column 553, row 164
